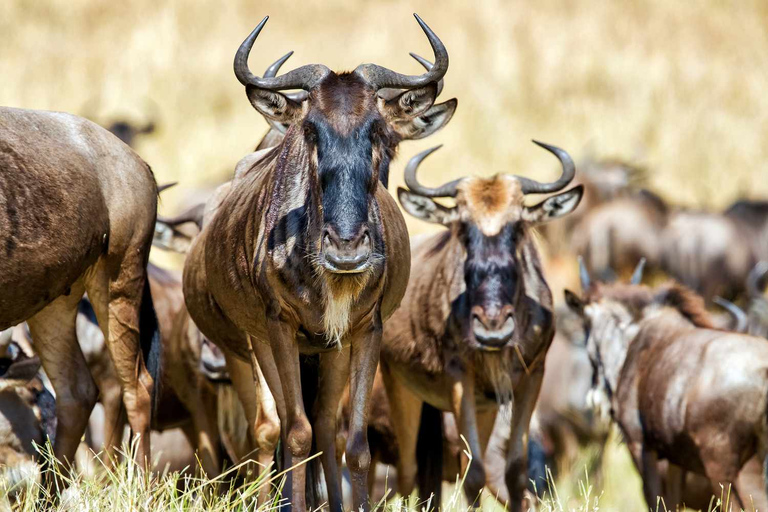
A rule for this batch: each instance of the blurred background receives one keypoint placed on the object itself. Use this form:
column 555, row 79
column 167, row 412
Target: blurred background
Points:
column 679, row 89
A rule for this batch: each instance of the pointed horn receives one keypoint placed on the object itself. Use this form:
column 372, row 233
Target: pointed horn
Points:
column 586, row 282
column 637, row 275
column 756, row 280
column 166, row 186
column 304, row 77
column 380, row 77
column 530, row 186
column 447, row 190
column 739, row 316
column 271, row 72
column 428, row 66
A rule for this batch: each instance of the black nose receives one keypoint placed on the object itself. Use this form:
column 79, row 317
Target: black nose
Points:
column 346, row 254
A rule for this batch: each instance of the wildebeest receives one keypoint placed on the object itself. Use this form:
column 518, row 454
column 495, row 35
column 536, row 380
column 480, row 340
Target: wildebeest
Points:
column 613, row 236
column 476, row 321
column 753, row 217
column 307, row 254
column 757, row 312
column 708, row 252
column 27, row 416
column 77, row 213
column 678, row 389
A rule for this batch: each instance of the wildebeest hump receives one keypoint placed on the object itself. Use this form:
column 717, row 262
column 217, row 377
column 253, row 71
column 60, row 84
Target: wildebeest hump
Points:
column 49, row 200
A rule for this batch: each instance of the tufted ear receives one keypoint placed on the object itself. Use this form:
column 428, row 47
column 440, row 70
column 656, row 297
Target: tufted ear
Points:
column 555, row 206
column 408, row 104
column 275, row 106
column 429, row 122
column 425, row 208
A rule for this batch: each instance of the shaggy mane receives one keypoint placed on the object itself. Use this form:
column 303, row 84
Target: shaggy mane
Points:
column 674, row 295
column 687, row 302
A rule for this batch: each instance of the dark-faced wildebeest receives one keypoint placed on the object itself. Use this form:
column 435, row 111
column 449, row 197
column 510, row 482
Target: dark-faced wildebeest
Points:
column 77, row 213
column 476, row 321
column 679, row 389
column 307, row 253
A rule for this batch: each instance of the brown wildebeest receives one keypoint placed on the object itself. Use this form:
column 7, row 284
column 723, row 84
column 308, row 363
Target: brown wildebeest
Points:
column 606, row 243
column 476, row 321
column 678, row 389
column 78, row 212
column 307, row 253
column 708, row 252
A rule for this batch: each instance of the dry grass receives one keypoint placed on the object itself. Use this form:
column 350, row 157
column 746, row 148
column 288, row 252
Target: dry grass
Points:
column 680, row 86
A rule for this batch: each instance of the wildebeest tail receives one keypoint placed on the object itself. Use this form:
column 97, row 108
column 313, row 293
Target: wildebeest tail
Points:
column 429, row 455
column 309, row 366
column 149, row 333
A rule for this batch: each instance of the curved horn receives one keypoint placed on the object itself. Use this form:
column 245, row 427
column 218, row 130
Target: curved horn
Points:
column 447, row 190
column 304, row 77
column 272, row 70
column 637, row 275
column 380, row 77
column 586, row 282
column 756, row 280
column 428, row 65
column 739, row 316
column 530, row 186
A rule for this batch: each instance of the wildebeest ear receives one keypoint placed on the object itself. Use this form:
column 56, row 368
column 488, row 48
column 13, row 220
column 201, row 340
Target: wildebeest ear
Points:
column 555, row 206
column 273, row 105
column 429, row 122
column 425, row 208
column 574, row 302
column 408, row 104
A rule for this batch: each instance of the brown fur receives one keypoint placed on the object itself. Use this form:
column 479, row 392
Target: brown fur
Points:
column 680, row 390
column 428, row 355
column 77, row 209
column 241, row 287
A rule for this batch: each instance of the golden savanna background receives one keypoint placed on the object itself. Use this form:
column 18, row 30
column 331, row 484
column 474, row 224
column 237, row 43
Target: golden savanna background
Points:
column 678, row 87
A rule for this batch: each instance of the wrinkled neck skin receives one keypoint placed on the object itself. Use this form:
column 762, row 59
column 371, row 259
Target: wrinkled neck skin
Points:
column 612, row 331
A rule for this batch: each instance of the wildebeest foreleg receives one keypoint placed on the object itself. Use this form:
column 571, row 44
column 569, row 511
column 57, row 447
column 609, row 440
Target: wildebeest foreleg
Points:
column 333, row 376
column 405, row 410
column 651, row 478
column 263, row 426
column 463, row 403
column 365, row 359
column 673, row 494
column 295, row 428
column 526, row 393
column 54, row 339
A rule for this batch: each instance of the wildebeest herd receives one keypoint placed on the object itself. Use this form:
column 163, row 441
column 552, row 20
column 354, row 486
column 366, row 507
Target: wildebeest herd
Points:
column 306, row 322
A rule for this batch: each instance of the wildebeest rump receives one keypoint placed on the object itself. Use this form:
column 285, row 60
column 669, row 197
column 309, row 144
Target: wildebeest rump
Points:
column 679, row 389
column 77, row 212
column 307, row 253
column 476, row 320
